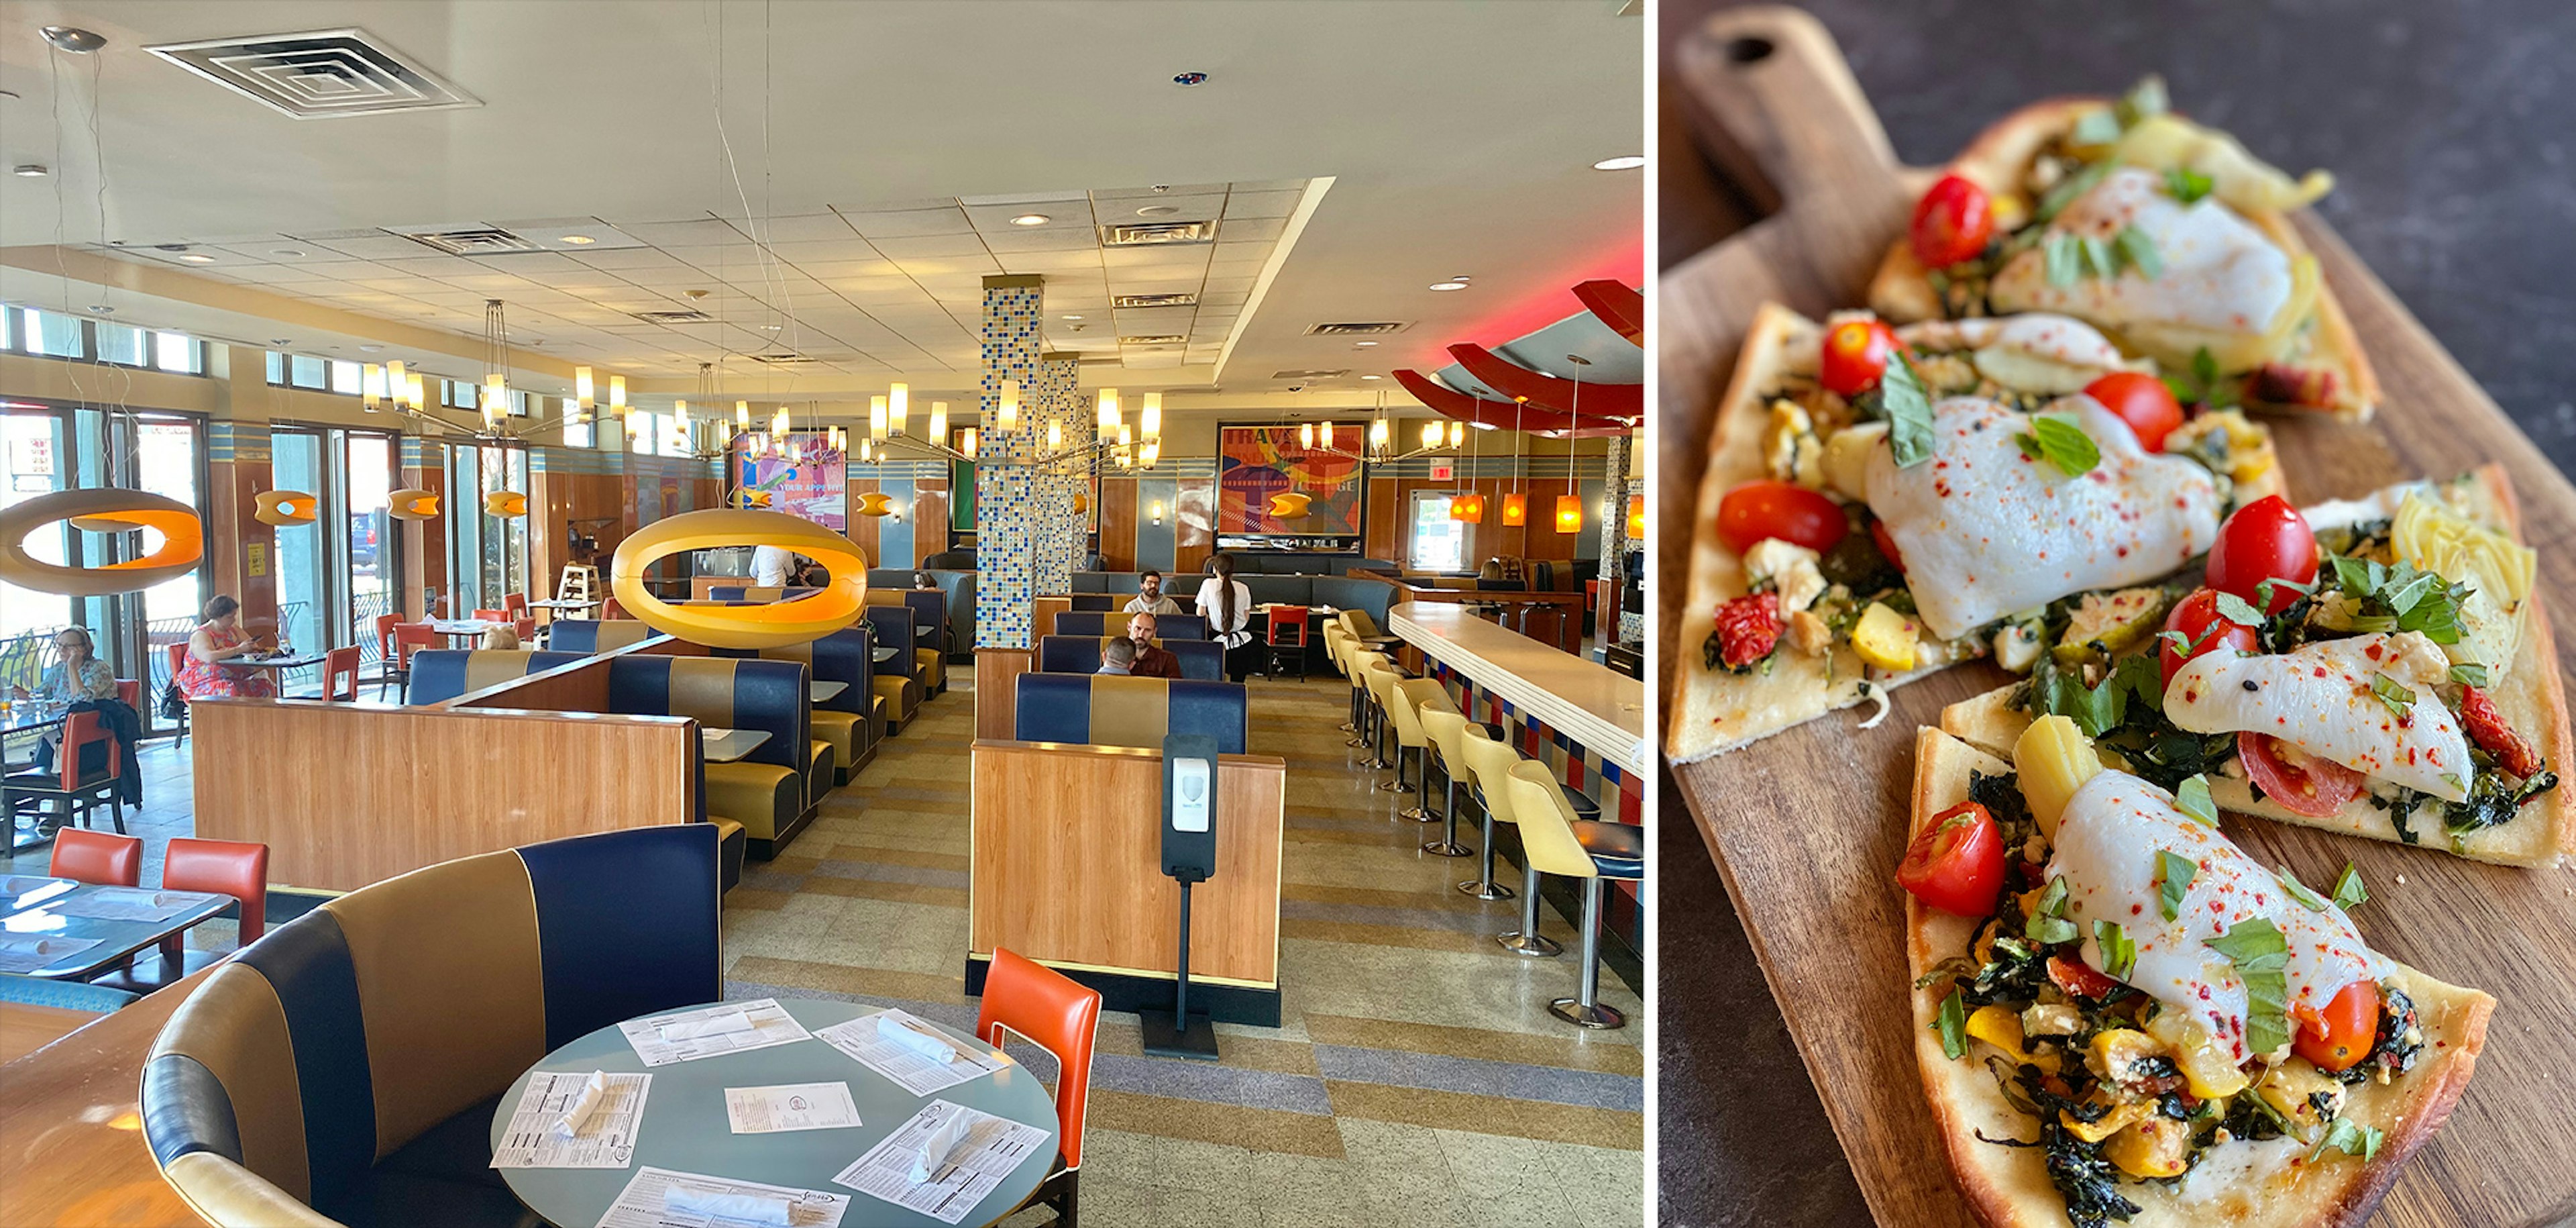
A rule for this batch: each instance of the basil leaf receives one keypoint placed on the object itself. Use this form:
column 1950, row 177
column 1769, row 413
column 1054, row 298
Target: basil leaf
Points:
column 2119, row 951
column 2392, row 693
column 2260, row 954
column 2052, row 900
column 2061, row 254
column 2469, row 673
column 2299, row 890
column 2068, row 189
column 2256, row 944
column 1952, row 1024
column 2061, row 443
column 2204, row 367
column 2349, row 893
column 2349, row 1137
column 2174, row 873
column 2186, row 185
column 1909, row 412
column 2237, row 610
column 2138, row 249
column 2049, row 931
column 2192, row 798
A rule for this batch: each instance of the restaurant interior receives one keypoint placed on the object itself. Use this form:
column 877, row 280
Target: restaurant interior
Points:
column 567, row 587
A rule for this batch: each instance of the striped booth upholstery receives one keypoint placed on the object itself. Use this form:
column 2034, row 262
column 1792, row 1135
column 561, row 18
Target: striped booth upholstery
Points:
column 1203, row 660
column 587, row 635
column 753, row 594
column 1108, row 710
column 345, row 1068
column 442, row 674
column 1096, row 623
column 899, row 681
column 957, row 586
column 929, row 647
column 771, row 791
column 841, row 722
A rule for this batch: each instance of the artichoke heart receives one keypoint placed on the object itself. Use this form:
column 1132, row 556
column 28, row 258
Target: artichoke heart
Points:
column 2434, row 537
column 2244, row 182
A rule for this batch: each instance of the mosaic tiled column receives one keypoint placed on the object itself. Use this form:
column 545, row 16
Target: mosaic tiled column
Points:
column 1060, row 529
column 1614, row 540
column 1007, row 500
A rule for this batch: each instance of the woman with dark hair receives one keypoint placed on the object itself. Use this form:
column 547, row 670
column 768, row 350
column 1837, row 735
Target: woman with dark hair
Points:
column 216, row 640
column 1226, row 604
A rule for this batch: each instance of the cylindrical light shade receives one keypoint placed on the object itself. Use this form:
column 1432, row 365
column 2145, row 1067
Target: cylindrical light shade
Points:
column 1149, row 420
column 1637, row 518
column 1126, row 435
column 1379, row 433
column 1516, row 509
column 1108, row 412
column 966, row 443
column 419, row 392
column 1007, row 409
column 582, row 388
column 939, row 423
column 1306, row 435
column 778, row 424
column 1457, row 432
column 1158, row 511
column 371, row 386
column 1326, row 434
column 397, row 384
column 1055, row 436
column 617, row 395
column 1153, row 452
column 1468, row 509
column 876, row 417
column 1430, row 434
column 1569, row 514
column 898, row 408
column 680, row 411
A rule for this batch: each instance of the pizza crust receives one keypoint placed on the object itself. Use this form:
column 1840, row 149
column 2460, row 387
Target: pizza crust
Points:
column 1900, row 291
column 2008, row 1187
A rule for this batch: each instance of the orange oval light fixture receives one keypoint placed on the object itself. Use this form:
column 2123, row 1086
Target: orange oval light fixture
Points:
column 875, row 503
column 1468, row 509
column 1637, row 518
column 183, row 541
column 1569, row 514
column 840, row 602
column 1290, row 506
column 1515, row 509
column 1081, row 504
column 747, row 499
column 412, row 503
column 283, row 507
column 505, row 503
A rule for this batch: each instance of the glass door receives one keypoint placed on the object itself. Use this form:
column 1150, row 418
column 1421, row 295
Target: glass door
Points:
column 302, row 562
column 369, row 471
column 1438, row 543
column 37, row 465
column 169, row 457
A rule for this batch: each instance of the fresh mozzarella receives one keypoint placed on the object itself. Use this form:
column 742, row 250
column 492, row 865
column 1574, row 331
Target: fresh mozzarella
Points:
column 1986, row 531
column 2035, row 352
column 2220, row 275
column 2107, row 848
column 2318, row 698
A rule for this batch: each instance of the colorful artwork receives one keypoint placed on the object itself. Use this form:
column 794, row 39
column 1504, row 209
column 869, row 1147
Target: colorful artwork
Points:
column 811, row 481
column 1257, row 465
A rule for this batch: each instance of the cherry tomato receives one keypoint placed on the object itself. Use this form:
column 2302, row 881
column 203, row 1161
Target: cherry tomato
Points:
column 2487, row 728
column 2193, row 616
column 1886, row 543
column 1855, row 355
column 2265, row 540
column 1956, row 863
column 2142, row 401
column 2344, row 1032
column 2078, row 978
column 1748, row 628
column 2301, row 782
column 1951, row 223
column 1784, row 510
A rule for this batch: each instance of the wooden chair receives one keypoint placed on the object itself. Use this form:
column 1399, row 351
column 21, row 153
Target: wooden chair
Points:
column 408, row 639
column 96, row 857
column 76, row 791
column 1048, row 1009
column 340, row 674
column 385, row 624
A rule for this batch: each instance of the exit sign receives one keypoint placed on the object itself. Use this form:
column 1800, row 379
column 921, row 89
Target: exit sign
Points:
column 1442, row 471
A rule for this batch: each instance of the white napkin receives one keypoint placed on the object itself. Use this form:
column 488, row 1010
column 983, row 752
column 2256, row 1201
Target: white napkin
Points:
column 576, row 1117
column 718, row 1024
column 935, row 1149
column 697, row 1200
column 915, row 1039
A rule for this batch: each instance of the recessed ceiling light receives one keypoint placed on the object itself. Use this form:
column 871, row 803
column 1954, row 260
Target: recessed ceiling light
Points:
column 1625, row 162
column 580, row 240
column 1362, row 345
column 198, row 258
column 288, row 251
column 1448, row 285
column 1189, row 78
column 1073, row 317
column 1031, row 219
column 1372, row 377
column 372, row 349
column 101, row 309
column 30, row 171
column 1158, row 211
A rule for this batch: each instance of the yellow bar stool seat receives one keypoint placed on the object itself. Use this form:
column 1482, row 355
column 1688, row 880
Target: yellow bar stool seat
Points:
column 1356, row 663
column 1411, row 696
column 1490, row 764
column 1556, row 842
column 1383, row 680
column 1449, row 731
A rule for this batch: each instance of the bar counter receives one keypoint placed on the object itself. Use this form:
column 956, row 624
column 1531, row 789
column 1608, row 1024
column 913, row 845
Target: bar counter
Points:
column 1596, row 706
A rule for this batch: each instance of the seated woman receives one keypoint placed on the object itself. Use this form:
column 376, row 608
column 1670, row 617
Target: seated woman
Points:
column 216, row 640
column 503, row 638
column 79, row 682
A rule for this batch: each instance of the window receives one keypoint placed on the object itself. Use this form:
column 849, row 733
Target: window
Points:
column 346, row 377
column 1439, row 543
column 276, row 367
column 641, row 430
column 8, row 329
column 675, row 436
column 122, row 345
column 304, row 372
column 576, row 434
column 461, row 395
column 56, row 336
column 178, row 352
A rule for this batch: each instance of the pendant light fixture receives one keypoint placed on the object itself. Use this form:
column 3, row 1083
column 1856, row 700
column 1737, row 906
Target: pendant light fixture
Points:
column 616, row 395
column 1516, row 503
column 1306, row 437
column 898, row 409
column 1569, row 506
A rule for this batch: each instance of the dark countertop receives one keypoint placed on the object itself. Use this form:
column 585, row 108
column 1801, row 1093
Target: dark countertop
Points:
column 2446, row 128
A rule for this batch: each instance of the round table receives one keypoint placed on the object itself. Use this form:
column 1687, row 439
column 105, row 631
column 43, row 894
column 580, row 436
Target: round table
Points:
column 685, row 1127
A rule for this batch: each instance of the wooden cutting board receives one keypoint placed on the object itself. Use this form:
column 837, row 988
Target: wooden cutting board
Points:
column 1807, row 826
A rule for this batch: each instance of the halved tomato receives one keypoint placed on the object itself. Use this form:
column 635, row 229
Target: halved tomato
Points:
column 2204, row 629
column 1785, row 510
column 1956, row 863
column 2078, row 978
column 2343, row 1032
column 2301, row 782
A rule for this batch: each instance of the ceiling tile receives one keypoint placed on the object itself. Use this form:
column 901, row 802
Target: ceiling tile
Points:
column 1042, row 239
column 909, row 223
column 697, row 233
column 372, row 247
column 806, row 229
column 1260, row 205
column 535, row 266
column 1178, row 189
column 1261, row 228
column 1182, row 207
column 841, row 270
column 898, row 249
column 628, row 258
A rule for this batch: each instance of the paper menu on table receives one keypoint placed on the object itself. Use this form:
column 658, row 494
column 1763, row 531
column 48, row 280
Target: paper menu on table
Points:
column 919, row 1073
column 790, row 1106
column 607, row 1138
column 30, row 953
column 709, row 1031
column 129, row 904
column 644, row 1202
column 20, row 884
column 992, row 1148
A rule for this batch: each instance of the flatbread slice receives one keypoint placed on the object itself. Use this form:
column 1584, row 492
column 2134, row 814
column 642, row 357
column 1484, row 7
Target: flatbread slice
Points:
column 2257, row 1186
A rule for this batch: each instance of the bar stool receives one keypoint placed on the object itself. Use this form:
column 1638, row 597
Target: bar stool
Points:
column 1412, row 696
column 1383, row 677
column 1337, row 645
column 1356, row 661
column 1449, row 732
column 1492, row 764
column 1551, row 837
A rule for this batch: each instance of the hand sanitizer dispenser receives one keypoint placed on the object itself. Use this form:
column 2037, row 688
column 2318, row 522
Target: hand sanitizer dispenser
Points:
column 1189, row 855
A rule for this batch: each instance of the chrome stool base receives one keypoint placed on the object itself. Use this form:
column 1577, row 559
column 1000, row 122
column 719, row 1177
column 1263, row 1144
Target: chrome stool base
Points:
column 1417, row 814
column 1396, row 785
column 1448, row 848
column 1535, row 946
column 1485, row 890
column 1593, row 1016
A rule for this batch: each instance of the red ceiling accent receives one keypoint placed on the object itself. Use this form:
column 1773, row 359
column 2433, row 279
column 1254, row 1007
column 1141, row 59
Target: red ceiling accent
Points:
column 1618, row 306
column 1451, row 403
column 1622, row 257
column 1547, row 391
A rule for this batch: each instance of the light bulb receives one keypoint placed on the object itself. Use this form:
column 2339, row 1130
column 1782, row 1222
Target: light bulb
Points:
column 876, row 418
column 581, row 388
column 1055, row 436
column 966, row 443
column 939, row 423
column 1328, row 435
column 1007, row 412
column 1149, row 420
column 1306, row 436
column 1457, row 433
column 898, row 408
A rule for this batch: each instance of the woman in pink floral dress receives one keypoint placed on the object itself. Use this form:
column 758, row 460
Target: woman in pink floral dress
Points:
column 218, row 639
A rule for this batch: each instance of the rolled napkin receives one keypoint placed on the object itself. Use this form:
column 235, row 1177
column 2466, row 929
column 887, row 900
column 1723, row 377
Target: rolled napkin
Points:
column 698, row 1201
column 576, row 1116
column 718, row 1024
column 933, row 1155
column 935, row 1048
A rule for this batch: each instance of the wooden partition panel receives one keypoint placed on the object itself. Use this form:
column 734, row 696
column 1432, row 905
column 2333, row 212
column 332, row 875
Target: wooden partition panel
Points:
column 345, row 795
column 1067, row 863
column 997, row 692
column 1042, row 618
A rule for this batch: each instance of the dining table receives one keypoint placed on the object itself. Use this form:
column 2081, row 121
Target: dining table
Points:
column 826, row 692
column 729, row 745
column 463, row 628
column 686, row 1128
column 61, row 929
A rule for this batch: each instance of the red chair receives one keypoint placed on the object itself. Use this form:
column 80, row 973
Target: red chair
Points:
column 385, row 654
column 1287, row 636
column 340, row 674
column 1048, row 1009
column 223, row 867
column 493, row 616
column 611, row 610
column 515, row 603
column 75, row 791
column 408, row 639
column 527, row 630
column 178, row 654
column 97, row 857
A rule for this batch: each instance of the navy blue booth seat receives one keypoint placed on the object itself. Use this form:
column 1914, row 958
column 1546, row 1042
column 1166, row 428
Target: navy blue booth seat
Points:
column 958, row 586
column 755, row 595
column 345, row 1068
column 1203, row 660
column 1095, row 623
column 442, row 674
column 898, row 680
column 1116, row 710
column 584, row 635
column 840, row 722
column 771, row 790
column 930, row 632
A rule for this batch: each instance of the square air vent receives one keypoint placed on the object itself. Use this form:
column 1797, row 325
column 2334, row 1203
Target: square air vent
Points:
column 1153, row 339
column 1156, row 234
column 1310, row 374
column 1154, row 300
column 673, row 317
column 480, row 241
column 1372, row 328
column 323, row 74
column 781, row 359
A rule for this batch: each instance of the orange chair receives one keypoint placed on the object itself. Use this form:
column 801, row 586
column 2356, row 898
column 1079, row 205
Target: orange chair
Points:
column 223, row 867
column 526, row 627
column 77, row 792
column 493, row 616
column 408, row 639
column 515, row 603
column 1287, row 637
column 385, row 655
column 340, row 674
column 1048, row 1009
column 611, row 610
column 178, row 654
column 97, row 857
